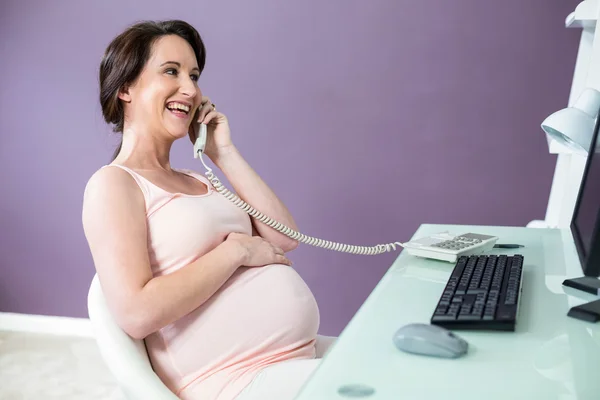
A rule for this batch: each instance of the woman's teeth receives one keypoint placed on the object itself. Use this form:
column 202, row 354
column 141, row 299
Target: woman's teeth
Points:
column 178, row 108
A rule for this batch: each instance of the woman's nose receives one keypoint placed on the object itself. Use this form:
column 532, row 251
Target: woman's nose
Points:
column 189, row 88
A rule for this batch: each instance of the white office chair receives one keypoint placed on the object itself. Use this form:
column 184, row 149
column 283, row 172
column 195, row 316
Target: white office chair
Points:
column 125, row 357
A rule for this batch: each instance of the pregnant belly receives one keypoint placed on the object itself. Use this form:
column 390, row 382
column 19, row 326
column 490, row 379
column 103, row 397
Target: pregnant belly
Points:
column 260, row 315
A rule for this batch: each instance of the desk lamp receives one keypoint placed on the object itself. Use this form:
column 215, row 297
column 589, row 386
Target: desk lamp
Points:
column 574, row 126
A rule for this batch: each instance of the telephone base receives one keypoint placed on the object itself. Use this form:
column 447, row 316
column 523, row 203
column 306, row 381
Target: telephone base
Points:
column 446, row 247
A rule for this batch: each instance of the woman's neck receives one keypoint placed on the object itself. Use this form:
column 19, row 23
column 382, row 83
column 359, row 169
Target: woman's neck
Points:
column 144, row 150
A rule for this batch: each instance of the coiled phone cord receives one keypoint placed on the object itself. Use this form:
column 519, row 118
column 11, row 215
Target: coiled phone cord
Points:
column 345, row 248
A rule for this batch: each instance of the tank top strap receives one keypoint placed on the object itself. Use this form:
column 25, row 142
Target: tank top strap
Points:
column 154, row 196
column 142, row 183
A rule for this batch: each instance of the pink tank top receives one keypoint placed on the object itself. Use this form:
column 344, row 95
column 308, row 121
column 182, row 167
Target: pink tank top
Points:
column 259, row 317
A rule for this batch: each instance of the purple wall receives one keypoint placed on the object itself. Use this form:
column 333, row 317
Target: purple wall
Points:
column 395, row 113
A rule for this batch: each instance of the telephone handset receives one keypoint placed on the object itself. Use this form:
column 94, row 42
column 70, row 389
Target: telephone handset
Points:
column 200, row 142
column 199, row 146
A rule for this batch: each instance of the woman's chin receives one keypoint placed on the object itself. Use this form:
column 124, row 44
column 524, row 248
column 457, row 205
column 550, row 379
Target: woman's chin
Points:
column 178, row 132
column 177, row 129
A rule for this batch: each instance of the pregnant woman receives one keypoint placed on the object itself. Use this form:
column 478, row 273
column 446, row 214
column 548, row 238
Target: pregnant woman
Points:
column 210, row 289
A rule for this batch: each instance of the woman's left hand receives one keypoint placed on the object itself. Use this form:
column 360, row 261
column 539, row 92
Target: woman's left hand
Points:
column 218, row 138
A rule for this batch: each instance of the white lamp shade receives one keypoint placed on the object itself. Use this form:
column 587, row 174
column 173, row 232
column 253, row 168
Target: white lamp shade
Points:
column 574, row 126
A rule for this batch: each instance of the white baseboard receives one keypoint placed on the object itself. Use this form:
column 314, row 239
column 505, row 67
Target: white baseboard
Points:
column 66, row 326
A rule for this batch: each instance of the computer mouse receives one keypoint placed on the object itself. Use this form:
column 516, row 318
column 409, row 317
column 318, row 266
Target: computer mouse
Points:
column 430, row 340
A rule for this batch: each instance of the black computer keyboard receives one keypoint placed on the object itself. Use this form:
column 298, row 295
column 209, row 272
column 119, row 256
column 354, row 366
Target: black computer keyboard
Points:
column 482, row 293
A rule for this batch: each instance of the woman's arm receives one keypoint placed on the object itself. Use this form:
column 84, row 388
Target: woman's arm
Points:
column 253, row 190
column 114, row 222
column 245, row 181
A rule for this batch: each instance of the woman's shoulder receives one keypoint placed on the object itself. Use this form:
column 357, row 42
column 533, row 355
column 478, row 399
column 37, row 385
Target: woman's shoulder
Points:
column 111, row 202
column 110, row 176
column 111, row 180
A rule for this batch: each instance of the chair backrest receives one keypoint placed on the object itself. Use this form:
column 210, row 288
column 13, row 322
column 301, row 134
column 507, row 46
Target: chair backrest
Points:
column 125, row 357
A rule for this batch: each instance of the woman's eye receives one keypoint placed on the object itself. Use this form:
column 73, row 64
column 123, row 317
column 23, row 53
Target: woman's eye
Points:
column 173, row 71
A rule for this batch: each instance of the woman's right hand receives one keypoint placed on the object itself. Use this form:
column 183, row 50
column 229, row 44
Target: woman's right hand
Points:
column 257, row 251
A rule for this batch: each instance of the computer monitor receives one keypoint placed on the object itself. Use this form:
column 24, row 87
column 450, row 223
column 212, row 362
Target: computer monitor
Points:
column 585, row 224
column 585, row 228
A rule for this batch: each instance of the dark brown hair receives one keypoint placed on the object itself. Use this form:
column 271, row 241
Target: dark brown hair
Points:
column 126, row 56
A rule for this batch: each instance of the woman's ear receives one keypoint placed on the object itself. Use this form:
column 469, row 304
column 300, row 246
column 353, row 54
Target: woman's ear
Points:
column 124, row 94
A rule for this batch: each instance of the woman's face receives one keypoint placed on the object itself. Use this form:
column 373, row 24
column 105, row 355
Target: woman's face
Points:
column 166, row 95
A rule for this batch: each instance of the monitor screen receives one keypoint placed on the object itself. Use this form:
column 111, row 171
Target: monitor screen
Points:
column 586, row 216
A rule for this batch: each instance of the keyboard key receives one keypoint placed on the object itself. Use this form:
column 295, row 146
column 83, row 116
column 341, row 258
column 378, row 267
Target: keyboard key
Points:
column 505, row 314
column 478, row 311
column 490, row 310
column 441, row 310
column 465, row 309
column 468, row 317
column 441, row 318
column 477, row 291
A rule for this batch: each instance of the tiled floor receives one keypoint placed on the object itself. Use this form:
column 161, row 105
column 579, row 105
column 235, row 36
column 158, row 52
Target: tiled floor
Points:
column 40, row 367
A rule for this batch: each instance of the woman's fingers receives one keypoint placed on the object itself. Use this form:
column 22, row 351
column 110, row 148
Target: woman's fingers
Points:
column 205, row 108
column 209, row 117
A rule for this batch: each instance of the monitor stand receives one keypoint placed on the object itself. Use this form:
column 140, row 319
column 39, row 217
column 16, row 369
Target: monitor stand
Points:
column 589, row 312
column 587, row 284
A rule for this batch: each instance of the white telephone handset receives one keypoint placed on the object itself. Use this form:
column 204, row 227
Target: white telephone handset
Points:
column 435, row 253
column 200, row 142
